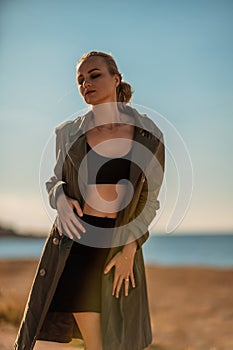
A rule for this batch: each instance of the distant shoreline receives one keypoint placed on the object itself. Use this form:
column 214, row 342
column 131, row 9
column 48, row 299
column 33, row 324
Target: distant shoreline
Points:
column 21, row 236
column 161, row 250
column 12, row 233
column 8, row 232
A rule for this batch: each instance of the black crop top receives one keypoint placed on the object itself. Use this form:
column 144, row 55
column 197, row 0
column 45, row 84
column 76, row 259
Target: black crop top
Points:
column 105, row 170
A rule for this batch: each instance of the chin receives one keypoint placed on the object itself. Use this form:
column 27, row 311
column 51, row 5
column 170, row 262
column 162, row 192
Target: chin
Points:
column 91, row 101
column 94, row 102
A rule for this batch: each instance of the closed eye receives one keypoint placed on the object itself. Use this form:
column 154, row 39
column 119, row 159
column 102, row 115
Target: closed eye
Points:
column 93, row 77
column 96, row 76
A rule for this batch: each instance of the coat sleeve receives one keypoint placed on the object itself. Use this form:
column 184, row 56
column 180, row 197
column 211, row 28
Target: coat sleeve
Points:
column 54, row 185
column 148, row 202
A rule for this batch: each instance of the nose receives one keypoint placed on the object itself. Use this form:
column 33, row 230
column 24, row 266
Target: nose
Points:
column 86, row 84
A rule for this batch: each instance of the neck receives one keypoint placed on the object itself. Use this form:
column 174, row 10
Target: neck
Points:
column 106, row 115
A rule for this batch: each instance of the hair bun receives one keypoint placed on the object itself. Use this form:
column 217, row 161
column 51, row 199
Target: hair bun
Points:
column 124, row 92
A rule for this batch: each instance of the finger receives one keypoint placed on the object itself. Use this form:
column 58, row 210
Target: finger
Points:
column 77, row 207
column 77, row 223
column 118, row 288
column 66, row 231
column 59, row 228
column 126, row 286
column 73, row 229
column 132, row 279
column 70, row 233
column 114, row 284
column 109, row 266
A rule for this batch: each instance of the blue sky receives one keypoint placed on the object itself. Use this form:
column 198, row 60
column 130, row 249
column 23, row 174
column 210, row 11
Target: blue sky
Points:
column 177, row 55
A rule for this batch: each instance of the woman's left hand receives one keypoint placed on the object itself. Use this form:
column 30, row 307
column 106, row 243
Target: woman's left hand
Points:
column 123, row 262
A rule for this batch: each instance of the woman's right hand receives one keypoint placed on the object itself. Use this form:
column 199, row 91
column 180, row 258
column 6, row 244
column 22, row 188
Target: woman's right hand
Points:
column 68, row 222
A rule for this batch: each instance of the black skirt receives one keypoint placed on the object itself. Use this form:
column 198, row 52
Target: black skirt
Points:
column 79, row 287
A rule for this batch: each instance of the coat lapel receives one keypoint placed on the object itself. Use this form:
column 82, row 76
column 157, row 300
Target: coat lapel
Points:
column 76, row 154
column 140, row 154
column 76, row 148
column 143, row 141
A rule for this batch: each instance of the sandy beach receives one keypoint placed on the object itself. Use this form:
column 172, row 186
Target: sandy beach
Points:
column 191, row 307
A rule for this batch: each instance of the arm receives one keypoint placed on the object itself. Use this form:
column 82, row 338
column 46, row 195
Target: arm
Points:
column 67, row 220
column 54, row 185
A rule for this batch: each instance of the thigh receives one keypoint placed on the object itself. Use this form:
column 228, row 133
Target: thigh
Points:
column 89, row 324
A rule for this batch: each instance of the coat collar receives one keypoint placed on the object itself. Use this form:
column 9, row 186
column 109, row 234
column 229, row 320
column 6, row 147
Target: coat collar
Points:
column 80, row 124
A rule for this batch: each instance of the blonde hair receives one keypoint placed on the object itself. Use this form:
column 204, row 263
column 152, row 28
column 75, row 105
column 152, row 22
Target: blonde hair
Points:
column 124, row 91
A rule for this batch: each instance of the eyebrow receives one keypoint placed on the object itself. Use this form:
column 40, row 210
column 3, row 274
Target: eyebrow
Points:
column 91, row 70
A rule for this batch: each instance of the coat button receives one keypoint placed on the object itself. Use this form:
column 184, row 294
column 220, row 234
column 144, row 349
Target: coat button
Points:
column 55, row 241
column 42, row 272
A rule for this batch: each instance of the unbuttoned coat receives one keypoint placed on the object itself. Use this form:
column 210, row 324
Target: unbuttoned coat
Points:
column 125, row 321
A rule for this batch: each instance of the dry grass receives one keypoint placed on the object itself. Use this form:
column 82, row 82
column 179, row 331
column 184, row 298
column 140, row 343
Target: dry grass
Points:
column 11, row 309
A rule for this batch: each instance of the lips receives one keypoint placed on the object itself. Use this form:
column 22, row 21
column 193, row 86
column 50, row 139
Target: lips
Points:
column 89, row 92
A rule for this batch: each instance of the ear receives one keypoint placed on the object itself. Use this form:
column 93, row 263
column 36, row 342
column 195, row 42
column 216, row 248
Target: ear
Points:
column 117, row 80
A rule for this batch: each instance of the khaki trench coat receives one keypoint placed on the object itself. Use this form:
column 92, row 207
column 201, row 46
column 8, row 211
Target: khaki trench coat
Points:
column 125, row 321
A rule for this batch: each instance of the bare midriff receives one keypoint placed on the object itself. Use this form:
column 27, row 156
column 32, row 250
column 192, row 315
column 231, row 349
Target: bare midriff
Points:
column 104, row 199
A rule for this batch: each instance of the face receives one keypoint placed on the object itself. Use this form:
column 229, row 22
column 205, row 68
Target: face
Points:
column 95, row 83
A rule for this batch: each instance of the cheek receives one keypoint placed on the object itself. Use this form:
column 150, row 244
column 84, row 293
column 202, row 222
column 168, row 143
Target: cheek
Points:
column 80, row 89
column 109, row 86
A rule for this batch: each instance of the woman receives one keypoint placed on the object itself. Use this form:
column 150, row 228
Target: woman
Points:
column 90, row 282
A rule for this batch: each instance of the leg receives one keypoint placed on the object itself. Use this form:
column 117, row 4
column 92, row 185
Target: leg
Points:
column 89, row 324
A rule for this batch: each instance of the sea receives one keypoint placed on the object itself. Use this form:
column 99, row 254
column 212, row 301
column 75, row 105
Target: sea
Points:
column 213, row 250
